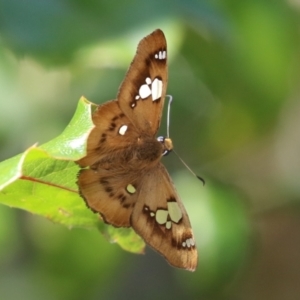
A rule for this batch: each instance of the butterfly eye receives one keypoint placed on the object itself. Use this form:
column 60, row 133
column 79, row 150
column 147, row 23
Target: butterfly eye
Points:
column 161, row 139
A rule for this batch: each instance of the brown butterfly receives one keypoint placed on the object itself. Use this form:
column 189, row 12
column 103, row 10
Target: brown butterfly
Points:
column 123, row 178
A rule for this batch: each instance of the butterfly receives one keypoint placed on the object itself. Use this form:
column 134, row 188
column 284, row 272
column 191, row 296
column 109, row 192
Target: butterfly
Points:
column 122, row 177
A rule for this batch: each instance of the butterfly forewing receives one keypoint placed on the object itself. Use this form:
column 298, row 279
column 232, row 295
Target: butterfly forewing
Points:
column 159, row 217
column 142, row 93
column 121, row 176
column 112, row 133
column 105, row 185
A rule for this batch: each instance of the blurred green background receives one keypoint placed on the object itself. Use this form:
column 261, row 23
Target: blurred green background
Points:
column 234, row 73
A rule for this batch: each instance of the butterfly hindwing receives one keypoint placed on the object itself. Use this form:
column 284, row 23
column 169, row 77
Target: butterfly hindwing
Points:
column 106, row 194
column 159, row 217
column 142, row 93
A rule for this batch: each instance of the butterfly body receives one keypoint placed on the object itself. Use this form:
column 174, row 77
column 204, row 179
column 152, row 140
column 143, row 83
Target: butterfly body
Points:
column 122, row 176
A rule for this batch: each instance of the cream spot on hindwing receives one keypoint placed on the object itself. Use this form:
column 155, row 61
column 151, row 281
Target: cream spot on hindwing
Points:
column 161, row 216
column 174, row 211
column 166, row 217
column 131, row 189
column 189, row 243
column 168, row 224
column 123, row 129
column 152, row 214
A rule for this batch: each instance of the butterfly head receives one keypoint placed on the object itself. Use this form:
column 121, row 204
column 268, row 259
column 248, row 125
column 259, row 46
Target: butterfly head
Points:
column 167, row 144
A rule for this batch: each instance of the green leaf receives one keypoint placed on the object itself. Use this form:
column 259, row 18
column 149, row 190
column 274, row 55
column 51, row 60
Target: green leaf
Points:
column 42, row 180
column 125, row 237
column 71, row 144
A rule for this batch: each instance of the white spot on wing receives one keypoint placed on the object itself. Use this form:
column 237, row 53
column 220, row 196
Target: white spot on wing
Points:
column 156, row 89
column 161, row 55
column 153, row 88
column 144, row 91
column 188, row 243
column 123, row 129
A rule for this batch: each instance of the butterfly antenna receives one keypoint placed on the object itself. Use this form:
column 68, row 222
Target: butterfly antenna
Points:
column 168, row 115
column 168, row 135
column 185, row 164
